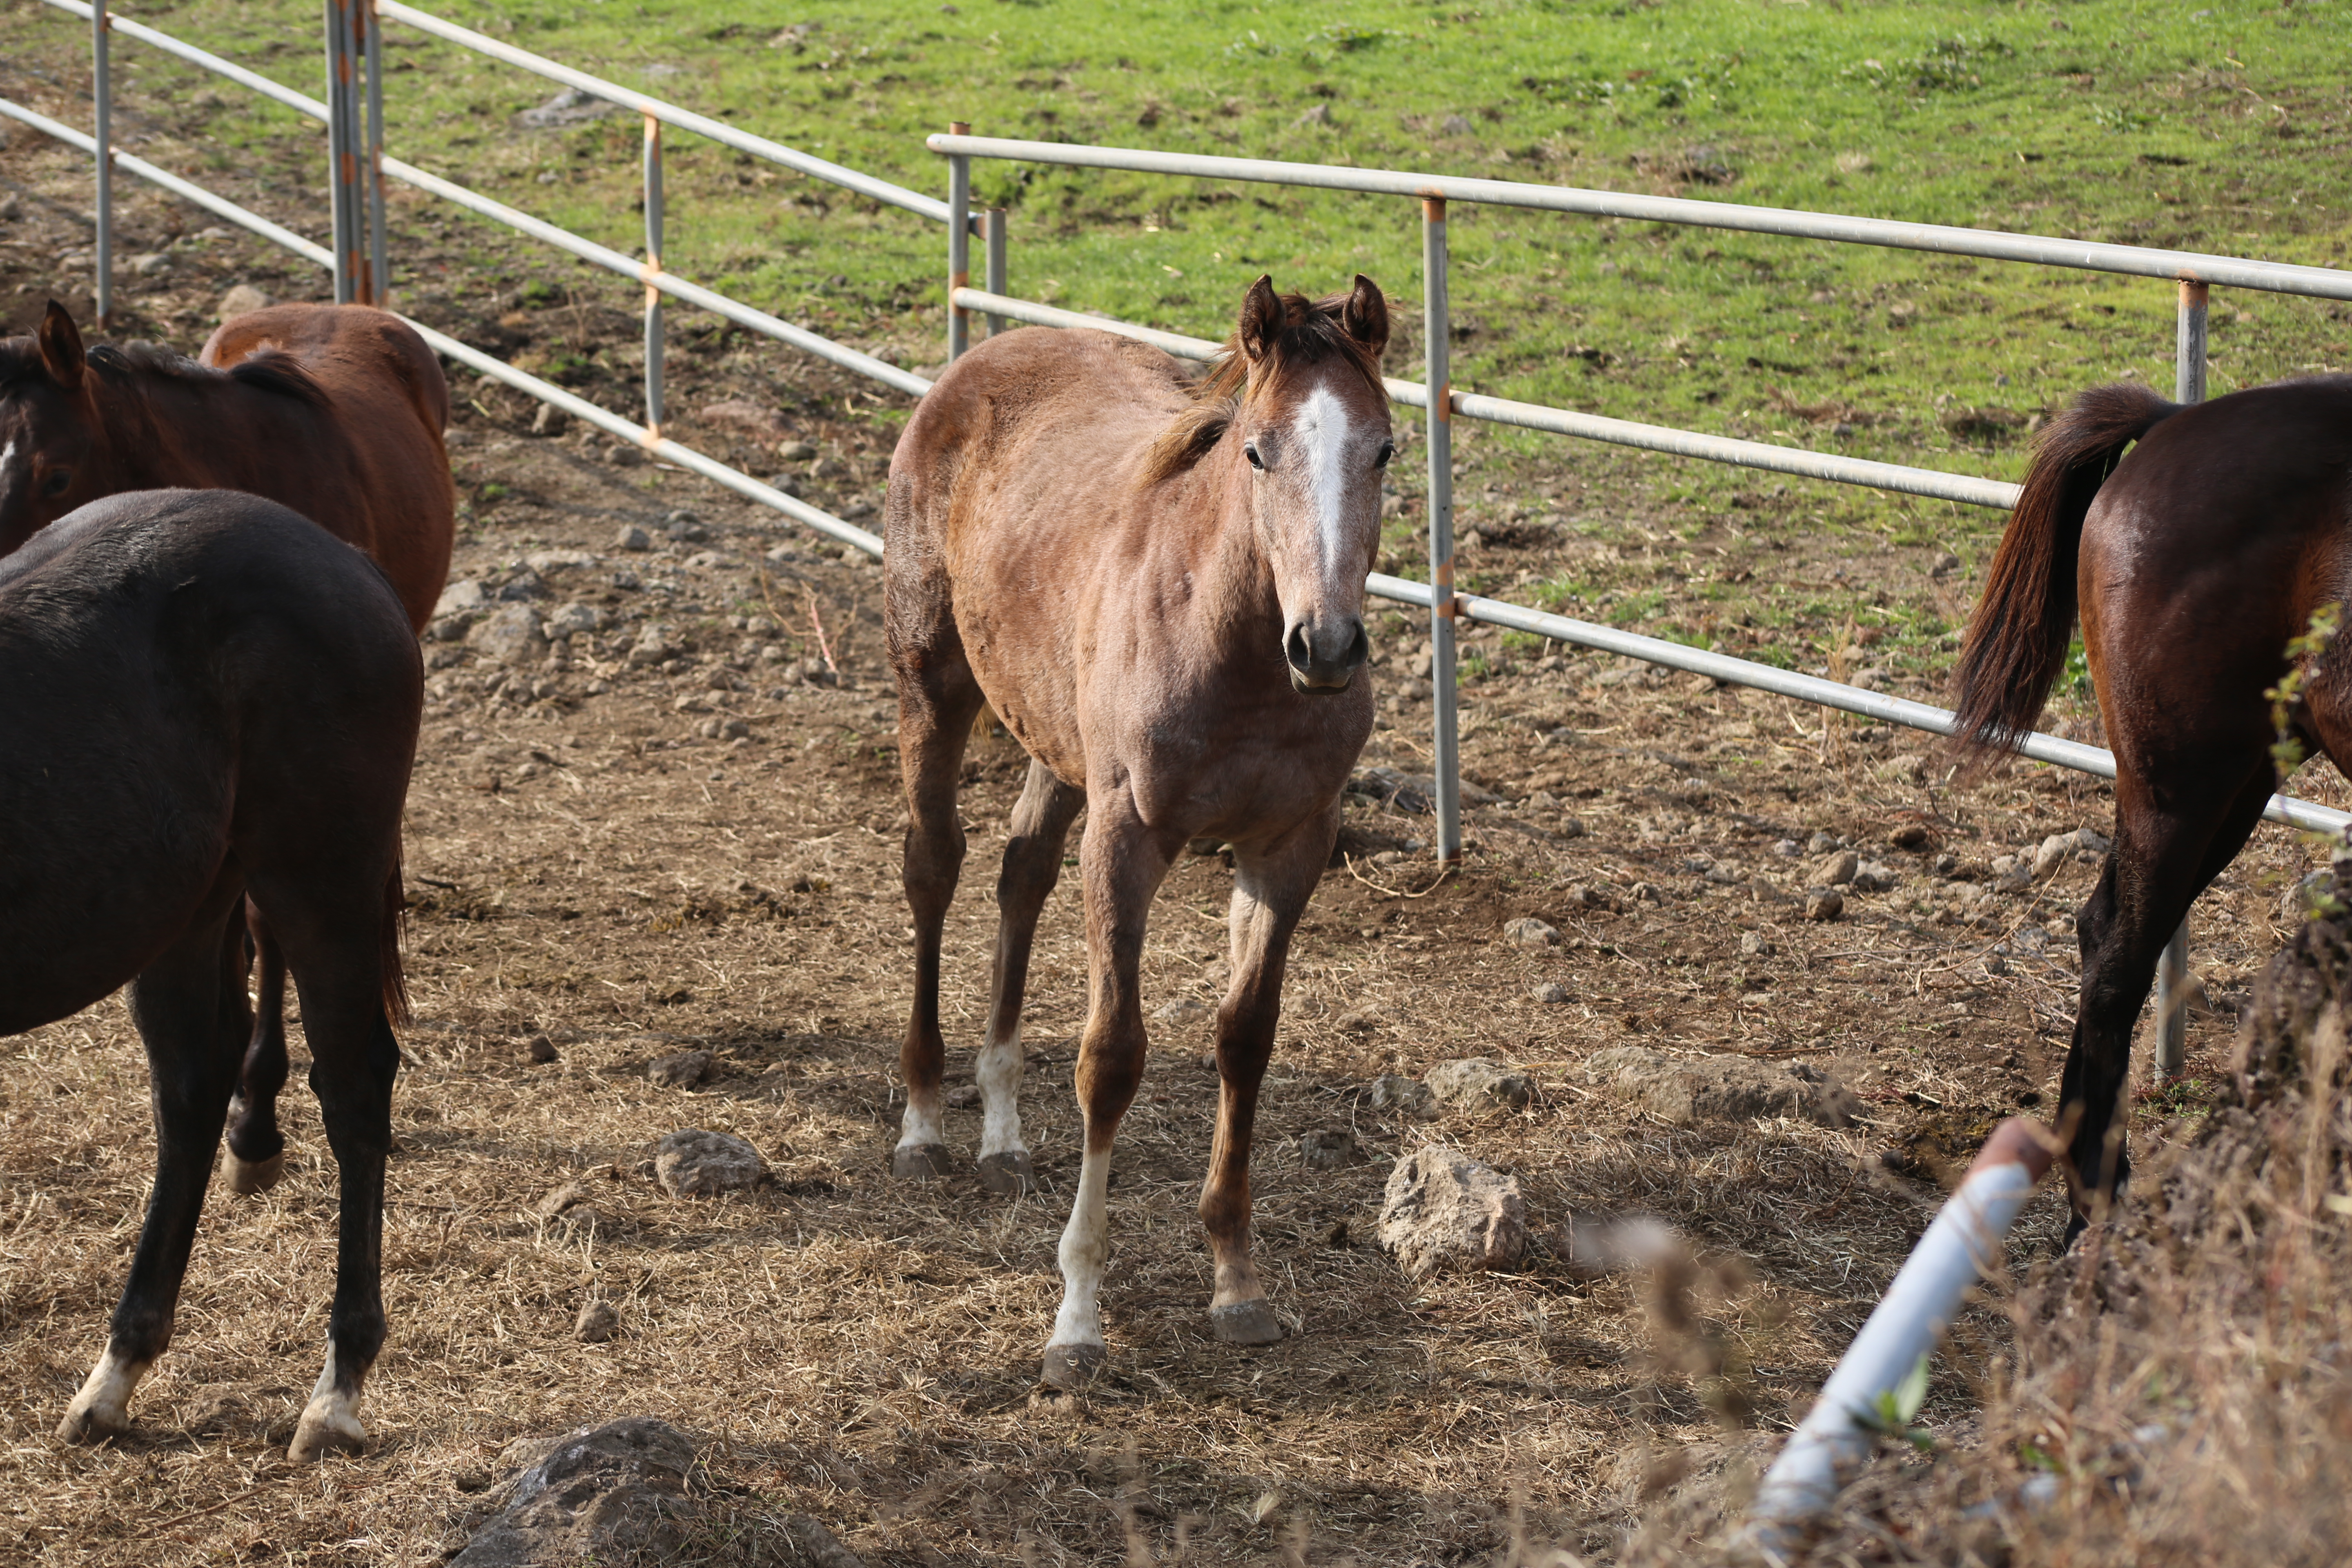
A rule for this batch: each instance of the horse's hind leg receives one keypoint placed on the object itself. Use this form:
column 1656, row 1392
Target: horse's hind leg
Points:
column 2166, row 852
column 190, row 1009
column 1033, row 863
column 1271, row 887
column 937, row 699
column 337, row 960
column 256, row 1149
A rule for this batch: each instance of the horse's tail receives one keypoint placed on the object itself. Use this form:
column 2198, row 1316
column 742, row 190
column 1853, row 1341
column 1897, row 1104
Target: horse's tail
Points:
column 2016, row 646
column 395, row 912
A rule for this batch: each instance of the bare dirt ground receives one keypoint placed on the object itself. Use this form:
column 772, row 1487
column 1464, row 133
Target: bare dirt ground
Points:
column 628, row 855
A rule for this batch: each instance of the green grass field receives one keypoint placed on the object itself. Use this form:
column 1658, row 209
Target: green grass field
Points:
column 2220, row 127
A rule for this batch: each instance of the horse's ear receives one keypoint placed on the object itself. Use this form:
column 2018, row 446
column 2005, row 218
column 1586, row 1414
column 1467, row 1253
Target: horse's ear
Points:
column 1365, row 316
column 1261, row 320
column 61, row 350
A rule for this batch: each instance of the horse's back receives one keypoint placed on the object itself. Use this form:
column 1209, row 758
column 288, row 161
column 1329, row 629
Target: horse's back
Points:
column 176, row 668
column 390, row 402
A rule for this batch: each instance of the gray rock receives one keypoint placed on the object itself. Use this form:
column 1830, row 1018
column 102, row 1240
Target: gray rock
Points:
column 1182, row 1010
column 1327, row 1149
column 572, row 620
column 1551, row 993
column 2054, row 852
column 1360, row 1020
column 509, row 635
column 1688, row 1089
column 538, row 1050
column 797, row 452
column 1406, row 1096
column 683, row 1070
column 622, row 1492
column 1444, row 1211
column 242, row 298
column 1587, row 898
column 652, row 647
column 1822, row 843
column 570, row 106
column 632, row 537
column 460, row 596
column 1834, row 870
column 695, row 1163
column 597, row 1321
column 1824, row 904
column 1474, row 1083
column 1529, row 931
column 550, row 421
column 1756, row 944
column 1874, row 877
column 2011, row 874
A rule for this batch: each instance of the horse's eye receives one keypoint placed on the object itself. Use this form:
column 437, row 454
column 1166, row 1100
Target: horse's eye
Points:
column 1388, row 450
column 1249, row 450
column 59, row 481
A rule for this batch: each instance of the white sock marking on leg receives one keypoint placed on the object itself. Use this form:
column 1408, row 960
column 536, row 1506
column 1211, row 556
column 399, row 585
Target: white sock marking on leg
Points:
column 921, row 1123
column 1086, row 1249
column 998, row 1069
column 105, row 1395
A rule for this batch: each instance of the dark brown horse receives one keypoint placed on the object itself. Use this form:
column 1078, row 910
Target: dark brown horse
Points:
column 1159, row 590
column 335, row 410
column 166, row 659
column 2192, row 561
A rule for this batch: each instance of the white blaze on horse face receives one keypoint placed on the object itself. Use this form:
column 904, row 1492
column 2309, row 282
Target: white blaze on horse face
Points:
column 7, row 467
column 1320, row 428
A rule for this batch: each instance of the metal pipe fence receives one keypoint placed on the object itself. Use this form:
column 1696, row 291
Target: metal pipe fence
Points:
column 366, row 262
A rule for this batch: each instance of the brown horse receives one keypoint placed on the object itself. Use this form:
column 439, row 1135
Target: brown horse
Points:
column 336, row 411
column 2193, row 561
column 1159, row 590
column 166, row 659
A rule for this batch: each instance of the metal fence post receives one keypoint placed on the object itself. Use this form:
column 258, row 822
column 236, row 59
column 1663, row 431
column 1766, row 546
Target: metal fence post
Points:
column 1446, row 746
column 996, row 284
column 2172, row 968
column 958, row 243
column 378, row 292
column 101, row 94
column 653, row 269
column 345, row 202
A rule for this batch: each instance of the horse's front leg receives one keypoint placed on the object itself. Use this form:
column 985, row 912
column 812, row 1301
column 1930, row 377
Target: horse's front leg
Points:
column 1122, row 863
column 1271, row 886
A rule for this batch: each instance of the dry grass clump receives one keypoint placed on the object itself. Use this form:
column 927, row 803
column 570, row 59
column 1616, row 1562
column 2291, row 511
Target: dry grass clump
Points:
column 2177, row 1389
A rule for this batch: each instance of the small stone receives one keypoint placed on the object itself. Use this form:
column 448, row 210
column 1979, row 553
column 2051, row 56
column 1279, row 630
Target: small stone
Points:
column 1360, row 1020
column 1686, row 1089
column 694, row 1163
column 1443, row 1211
column 619, row 1492
column 1569, row 827
column 1824, row 904
column 684, row 1070
column 1474, row 1083
column 1756, row 944
column 1406, row 1096
column 1597, row 899
column 1551, row 993
column 568, row 1195
column 632, row 537
column 509, row 635
column 151, row 264
column 753, row 419
column 242, row 298
column 652, row 647
column 2011, row 874
column 574, row 620
column 550, row 421
column 797, row 452
column 597, row 1321
column 538, row 1049
column 1455, row 126
column 1182, row 1010
column 1529, row 931
column 1327, row 1149
column 1874, row 877
column 1833, row 870
column 1821, row 843
column 465, row 595
column 1910, row 835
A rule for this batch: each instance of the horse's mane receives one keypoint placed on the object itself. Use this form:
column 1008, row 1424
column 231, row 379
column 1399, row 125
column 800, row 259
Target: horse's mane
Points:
column 1310, row 334
column 270, row 369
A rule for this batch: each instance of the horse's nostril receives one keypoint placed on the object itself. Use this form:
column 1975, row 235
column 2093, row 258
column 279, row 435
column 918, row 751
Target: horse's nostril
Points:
column 1297, row 649
column 1359, row 646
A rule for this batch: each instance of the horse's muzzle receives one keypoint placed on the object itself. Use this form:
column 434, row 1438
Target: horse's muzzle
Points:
column 1323, row 656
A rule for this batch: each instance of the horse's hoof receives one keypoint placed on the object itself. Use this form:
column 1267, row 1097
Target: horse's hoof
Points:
column 922, row 1162
column 1245, row 1324
column 328, row 1426
column 84, row 1425
column 247, row 1178
column 1008, row 1174
column 1071, row 1367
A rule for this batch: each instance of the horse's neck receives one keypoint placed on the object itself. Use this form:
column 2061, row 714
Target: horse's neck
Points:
column 171, row 435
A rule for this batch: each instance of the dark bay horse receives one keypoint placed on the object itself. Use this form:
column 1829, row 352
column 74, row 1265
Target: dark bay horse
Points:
column 2193, row 560
column 335, row 410
column 203, row 697
column 1158, row 587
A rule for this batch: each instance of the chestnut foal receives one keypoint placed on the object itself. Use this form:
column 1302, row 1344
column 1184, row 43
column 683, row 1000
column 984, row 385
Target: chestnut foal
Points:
column 1160, row 589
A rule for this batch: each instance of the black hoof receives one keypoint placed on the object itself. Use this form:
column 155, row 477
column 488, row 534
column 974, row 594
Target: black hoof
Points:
column 1245, row 1324
column 1071, row 1367
column 1008, row 1174
column 921, row 1161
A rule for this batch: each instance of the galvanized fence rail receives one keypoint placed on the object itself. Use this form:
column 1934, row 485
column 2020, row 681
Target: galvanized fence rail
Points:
column 2193, row 272
column 360, row 259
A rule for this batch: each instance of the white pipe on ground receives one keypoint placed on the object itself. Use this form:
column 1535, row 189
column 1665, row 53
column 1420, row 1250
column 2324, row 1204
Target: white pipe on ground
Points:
column 1960, row 1246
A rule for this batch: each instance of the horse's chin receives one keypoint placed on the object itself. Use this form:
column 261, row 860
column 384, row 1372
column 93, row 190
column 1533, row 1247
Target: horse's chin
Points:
column 1298, row 684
